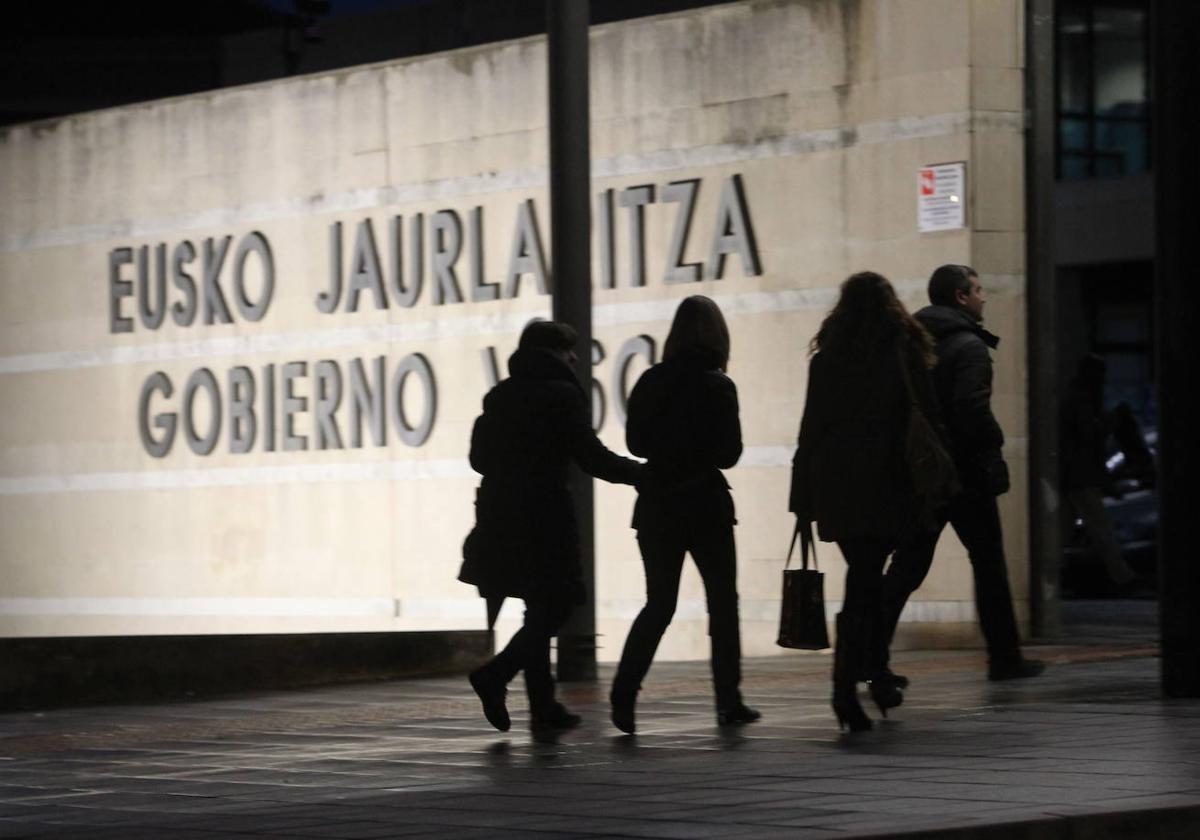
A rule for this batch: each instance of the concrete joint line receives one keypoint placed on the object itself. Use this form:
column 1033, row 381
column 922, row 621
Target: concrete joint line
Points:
column 414, row 332
column 525, row 179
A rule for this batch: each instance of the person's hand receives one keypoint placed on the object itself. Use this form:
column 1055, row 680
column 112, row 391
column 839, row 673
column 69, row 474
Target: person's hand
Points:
column 993, row 473
column 641, row 474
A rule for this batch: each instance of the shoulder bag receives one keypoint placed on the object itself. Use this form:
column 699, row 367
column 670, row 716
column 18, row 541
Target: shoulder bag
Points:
column 802, row 608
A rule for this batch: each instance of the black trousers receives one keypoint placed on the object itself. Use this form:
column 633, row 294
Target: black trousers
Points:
column 713, row 550
column 529, row 649
column 976, row 519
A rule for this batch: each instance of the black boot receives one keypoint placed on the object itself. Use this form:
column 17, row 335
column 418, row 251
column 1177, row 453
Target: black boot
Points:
column 546, row 714
column 848, row 649
column 623, row 702
column 553, row 718
column 731, row 710
column 737, row 714
column 885, row 693
column 898, row 680
column 883, row 684
column 491, row 691
column 1015, row 668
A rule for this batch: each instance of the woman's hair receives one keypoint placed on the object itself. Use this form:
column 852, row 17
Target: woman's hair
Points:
column 869, row 319
column 699, row 329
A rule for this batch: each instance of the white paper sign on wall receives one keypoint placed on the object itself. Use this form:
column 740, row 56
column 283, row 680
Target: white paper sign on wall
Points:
column 942, row 197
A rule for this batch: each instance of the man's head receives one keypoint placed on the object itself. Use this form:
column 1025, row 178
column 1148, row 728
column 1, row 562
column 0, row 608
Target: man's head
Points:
column 553, row 336
column 957, row 286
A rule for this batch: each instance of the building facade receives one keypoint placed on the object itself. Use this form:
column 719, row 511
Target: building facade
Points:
column 245, row 333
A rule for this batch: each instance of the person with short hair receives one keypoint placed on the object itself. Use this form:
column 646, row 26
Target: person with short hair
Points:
column 683, row 419
column 525, row 544
column 962, row 381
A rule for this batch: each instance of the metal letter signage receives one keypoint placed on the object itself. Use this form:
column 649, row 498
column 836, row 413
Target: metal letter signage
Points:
column 357, row 395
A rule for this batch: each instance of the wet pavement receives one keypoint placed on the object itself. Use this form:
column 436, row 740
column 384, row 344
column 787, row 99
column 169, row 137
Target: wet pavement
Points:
column 1089, row 749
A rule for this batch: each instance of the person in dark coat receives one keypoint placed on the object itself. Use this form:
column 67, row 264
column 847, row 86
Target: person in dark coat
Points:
column 849, row 473
column 1084, row 429
column 963, row 382
column 525, row 544
column 683, row 419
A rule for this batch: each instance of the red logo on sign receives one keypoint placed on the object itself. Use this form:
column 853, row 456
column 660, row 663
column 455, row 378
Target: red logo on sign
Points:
column 927, row 182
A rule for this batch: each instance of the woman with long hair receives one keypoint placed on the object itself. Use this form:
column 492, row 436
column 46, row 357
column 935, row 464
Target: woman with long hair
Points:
column 683, row 419
column 850, row 475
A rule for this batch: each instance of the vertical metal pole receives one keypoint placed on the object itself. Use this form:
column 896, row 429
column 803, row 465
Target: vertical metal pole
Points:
column 571, row 275
column 1176, row 302
column 1045, row 540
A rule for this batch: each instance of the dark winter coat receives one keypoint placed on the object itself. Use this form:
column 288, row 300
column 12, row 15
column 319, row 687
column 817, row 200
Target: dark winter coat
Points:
column 683, row 419
column 849, row 474
column 962, row 380
column 534, row 424
column 1083, row 435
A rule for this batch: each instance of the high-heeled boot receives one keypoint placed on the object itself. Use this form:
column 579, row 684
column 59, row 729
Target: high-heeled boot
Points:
column 623, row 698
column 885, row 693
column 884, row 688
column 847, row 651
column 894, row 598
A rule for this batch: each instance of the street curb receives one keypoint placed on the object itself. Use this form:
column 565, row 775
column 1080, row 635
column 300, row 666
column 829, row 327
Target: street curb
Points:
column 1166, row 823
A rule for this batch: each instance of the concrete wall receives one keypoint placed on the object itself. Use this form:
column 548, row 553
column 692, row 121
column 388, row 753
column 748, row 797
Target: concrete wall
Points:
column 823, row 110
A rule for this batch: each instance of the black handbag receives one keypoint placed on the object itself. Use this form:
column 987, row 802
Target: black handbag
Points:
column 802, row 607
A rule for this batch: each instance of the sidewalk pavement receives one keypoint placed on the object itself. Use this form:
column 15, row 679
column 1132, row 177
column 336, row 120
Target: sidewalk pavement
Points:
column 1088, row 750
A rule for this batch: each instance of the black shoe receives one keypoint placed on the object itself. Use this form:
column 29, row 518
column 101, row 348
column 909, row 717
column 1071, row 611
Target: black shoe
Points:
column 886, row 694
column 898, row 680
column 1017, row 669
column 850, row 713
column 622, row 712
column 737, row 715
column 557, row 717
column 491, row 695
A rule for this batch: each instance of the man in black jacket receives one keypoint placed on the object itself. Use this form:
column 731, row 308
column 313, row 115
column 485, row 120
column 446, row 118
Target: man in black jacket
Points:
column 963, row 382
column 526, row 540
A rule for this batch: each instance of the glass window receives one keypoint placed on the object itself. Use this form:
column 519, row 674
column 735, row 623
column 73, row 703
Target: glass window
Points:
column 1073, row 134
column 1073, row 166
column 1115, row 304
column 1074, row 59
column 1102, row 88
column 1120, row 322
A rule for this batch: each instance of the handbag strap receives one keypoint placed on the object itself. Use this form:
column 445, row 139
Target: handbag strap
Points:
column 807, row 545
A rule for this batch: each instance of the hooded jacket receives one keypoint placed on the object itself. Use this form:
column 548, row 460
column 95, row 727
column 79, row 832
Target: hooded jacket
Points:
column 534, row 424
column 962, row 380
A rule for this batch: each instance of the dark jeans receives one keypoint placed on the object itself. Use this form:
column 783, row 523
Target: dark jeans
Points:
column 861, row 627
column 712, row 548
column 976, row 520
column 529, row 650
